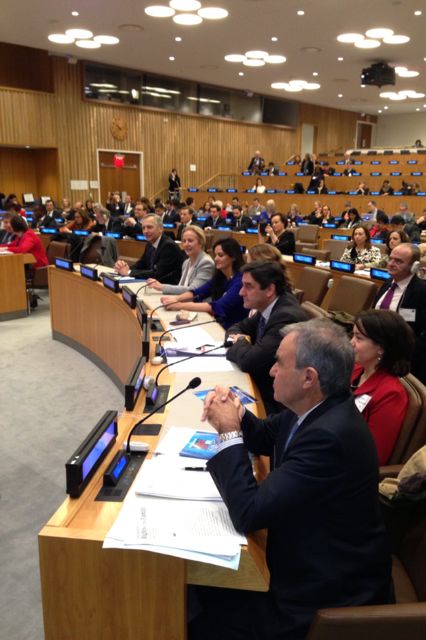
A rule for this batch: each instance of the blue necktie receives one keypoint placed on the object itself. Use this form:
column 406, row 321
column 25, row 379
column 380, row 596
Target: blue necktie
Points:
column 261, row 328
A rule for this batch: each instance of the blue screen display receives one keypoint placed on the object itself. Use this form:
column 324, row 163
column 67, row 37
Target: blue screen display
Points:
column 108, row 282
column 127, row 296
column 88, row 272
column 140, row 237
column 119, row 467
column 380, row 274
column 98, row 449
column 49, row 230
column 113, row 234
column 297, row 257
column 63, row 264
column 342, row 266
column 80, row 232
column 337, row 236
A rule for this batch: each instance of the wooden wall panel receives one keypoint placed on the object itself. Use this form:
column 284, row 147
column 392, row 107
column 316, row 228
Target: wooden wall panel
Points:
column 77, row 128
column 25, row 68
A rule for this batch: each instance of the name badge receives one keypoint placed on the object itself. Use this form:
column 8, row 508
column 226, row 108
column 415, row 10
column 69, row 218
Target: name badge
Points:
column 409, row 315
column 362, row 401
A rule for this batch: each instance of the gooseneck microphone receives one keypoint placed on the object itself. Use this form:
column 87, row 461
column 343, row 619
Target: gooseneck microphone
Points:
column 192, row 384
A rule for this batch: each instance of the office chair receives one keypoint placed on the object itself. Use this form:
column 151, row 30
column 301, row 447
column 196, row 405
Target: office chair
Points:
column 314, row 284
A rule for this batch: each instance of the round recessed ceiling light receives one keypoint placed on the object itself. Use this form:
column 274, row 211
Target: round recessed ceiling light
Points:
column 285, row 86
column 379, row 111
column 340, row 95
column 159, row 11
column 106, row 39
column 315, row 73
column 88, row 44
column 301, row 12
column 275, row 59
column 406, row 73
column 350, row 38
column 60, row 38
column 187, row 19
column 386, row 108
column 417, row 108
column 235, row 57
column 241, row 73
column 185, row 5
column 75, row 13
column 367, row 44
column 172, row 58
column 312, row 86
column 274, row 39
column 379, row 32
column 253, row 62
column 178, row 39
column 257, row 54
column 417, row 13
column 340, row 59
column 81, row 34
column 396, row 39
column 213, row 13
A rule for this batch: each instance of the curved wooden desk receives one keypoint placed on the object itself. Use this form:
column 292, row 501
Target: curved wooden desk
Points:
column 13, row 289
column 94, row 594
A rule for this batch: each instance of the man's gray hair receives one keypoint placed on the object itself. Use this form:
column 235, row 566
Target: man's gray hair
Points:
column 325, row 346
column 157, row 219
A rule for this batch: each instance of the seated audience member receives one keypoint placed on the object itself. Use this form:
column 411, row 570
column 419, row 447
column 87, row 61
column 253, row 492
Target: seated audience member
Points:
column 418, row 144
column 383, row 345
column 128, row 205
column 53, row 218
column 327, row 218
column 114, row 204
column 362, row 189
column 131, row 226
column 360, row 252
column 380, row 229
column 257, row 163
column 197, row 269
column 255, row 209
column 81, row 222
column 171, row 214
column 294, row 216
column 386, row 189
column 89, row 207
column 279, row 234
column 12, row 201
column 408, row 189
column 259, row 187
column 406, row 214
column 39, row 211
column 294, row 159
column 26, row 241
column 66, row 208
column 7, row 234
column 411, row 228
column 162, row 259
column 222, row 290
column 320, row 502
column 317, row 184
column 393, row 239
column 186, row 220
column 268, row 211
column 421, row 222
column 240, row 222
column 372, row 210
column 214, row 219
column 266, row 289
column 406, row 294
column 102, row 218
column 315, row 217
column 307, row 165
column 272, row 169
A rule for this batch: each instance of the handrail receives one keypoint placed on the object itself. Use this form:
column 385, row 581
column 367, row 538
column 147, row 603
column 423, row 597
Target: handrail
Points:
column 221, row 181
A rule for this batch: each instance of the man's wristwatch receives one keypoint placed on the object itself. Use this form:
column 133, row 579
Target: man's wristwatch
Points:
column 230, row 435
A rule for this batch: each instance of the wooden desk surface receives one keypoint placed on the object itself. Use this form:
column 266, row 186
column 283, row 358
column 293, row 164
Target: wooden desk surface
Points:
column 96, row 594
column 13, row 290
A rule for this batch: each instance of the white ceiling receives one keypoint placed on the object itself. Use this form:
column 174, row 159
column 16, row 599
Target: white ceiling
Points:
column 250, row 25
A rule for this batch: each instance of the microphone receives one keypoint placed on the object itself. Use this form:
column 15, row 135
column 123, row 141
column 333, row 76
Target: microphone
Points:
column 156, row 323
column 192, row 384
column 198, row 324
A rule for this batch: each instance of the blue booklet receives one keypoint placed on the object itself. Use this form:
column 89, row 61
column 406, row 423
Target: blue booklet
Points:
column 202, row 445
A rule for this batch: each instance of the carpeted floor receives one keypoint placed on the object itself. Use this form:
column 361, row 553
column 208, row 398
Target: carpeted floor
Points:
column 50, row 397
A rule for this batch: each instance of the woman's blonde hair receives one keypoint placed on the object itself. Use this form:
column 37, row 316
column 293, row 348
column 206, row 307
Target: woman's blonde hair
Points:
column 198, row 232
column 269, row 253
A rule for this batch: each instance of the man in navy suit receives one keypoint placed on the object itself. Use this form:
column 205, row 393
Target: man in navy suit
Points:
column 326, row 541
column 406, row 294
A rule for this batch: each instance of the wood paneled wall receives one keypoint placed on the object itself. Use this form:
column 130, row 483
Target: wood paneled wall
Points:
column 29, row 171
column 77, row 128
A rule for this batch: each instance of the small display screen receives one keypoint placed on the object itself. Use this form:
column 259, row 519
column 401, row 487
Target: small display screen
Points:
column 299, row 257
column 109, row 283
column 88, row 272
column 342, row 266
column 80, row 232
column 49, row 230
column 119, row 467
column 98, row 449
column 337, row 236
column 330, row 225
column 127, row 296
column 140, row 236
column 63, row 264
column 380, row 274
column 113, row 234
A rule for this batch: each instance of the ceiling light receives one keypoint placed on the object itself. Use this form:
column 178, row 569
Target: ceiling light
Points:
column 241, row 73
column 315, row 73
column 340, row 59
column 301, row 13
column 418, row 109
column 88, row 44
column 187, row 19
column 60, row 38
column 178, row 39
column 185, row 5
column 274, row 39
column 379, row 111
column 297, row 83
column 350, row 38
column 75, row 13
column 275, row 59
column 172, row 58
column 213, row 13
column 312, row 86
column 396, row 39
column 257, row 54
column 340, row 95
column 379, row 33
column 81, row 34
column 417, row 13
column 412, row 94
column 362, row 86
column 386, row 94
column 367, row 44
column 253, row 62
column 159, row 11
column 235, row 57
column 403, row 72
column 386, row 107
column 103, row 85
column 106, row 39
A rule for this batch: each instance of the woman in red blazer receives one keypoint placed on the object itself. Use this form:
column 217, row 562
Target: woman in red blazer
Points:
column 383, row 343
column 26, row 241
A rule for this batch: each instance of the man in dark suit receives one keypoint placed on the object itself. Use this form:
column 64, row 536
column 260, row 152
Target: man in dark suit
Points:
column 238, row 221
column 162, row 259
column 7, row 234
column 257, row 163
column 50, row 220
column 186, row 220
column 326, row 544
column 406, row 294
column 214, row 220
column 266, row 289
